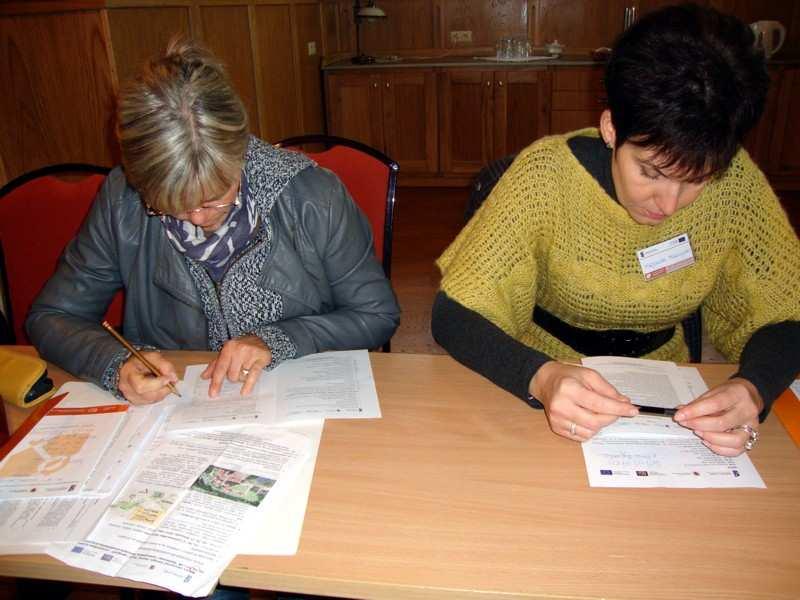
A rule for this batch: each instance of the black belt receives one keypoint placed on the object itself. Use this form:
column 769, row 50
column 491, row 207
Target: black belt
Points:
column 607, row 342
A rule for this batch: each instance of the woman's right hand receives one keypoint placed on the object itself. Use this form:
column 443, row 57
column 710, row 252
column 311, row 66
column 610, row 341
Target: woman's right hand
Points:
column 578, row 401
column 138, row 384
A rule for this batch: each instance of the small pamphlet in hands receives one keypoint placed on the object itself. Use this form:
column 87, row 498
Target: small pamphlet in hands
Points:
column 654, row 451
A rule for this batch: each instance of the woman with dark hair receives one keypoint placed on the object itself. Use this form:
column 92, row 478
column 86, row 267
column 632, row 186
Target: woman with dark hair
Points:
column 220, row 241
column 558, row 263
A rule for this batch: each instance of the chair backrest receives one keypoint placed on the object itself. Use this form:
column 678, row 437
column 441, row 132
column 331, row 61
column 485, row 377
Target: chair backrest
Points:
column 369, row 175
column 40, row 212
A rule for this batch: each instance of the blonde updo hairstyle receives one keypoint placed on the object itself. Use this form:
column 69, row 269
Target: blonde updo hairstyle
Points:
column 182, row 128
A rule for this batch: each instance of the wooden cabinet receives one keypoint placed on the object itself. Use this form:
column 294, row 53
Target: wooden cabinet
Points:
column 578, row 98
column 783, row 166
column 487, row 114
column 771, row 143
column 394, row 112
column 521, row 109
column 465, row 105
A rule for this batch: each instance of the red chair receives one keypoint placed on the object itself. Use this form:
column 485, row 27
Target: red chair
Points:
column 40, row 212
column 369, row 175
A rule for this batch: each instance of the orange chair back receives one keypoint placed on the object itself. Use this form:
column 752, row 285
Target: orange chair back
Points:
column 39, row 215
column 369, row 176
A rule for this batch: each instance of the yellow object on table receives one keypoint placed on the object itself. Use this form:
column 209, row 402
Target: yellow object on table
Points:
column 23, row 378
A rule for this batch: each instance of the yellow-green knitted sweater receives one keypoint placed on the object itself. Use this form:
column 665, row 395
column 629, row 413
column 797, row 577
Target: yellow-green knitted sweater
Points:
column 549, row 235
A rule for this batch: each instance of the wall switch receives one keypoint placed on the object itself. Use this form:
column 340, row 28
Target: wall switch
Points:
column 312, row 48
column 461, row 37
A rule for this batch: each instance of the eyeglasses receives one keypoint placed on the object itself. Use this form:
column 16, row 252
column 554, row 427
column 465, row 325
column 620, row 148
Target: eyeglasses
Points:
column 152, row 212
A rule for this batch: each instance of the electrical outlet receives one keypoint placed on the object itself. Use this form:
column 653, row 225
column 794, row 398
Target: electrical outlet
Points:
column 461, row 37
column 312, row 48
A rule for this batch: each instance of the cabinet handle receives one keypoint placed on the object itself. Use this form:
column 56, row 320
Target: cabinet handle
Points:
column 374, row 85
column 500, row 83
column 488, row 83
column 387, row 85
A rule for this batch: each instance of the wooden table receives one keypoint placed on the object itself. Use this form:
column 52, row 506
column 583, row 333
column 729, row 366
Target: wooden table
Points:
column 461, row 491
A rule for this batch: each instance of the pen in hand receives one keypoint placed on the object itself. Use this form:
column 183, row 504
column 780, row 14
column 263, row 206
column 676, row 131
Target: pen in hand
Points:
column 107, row 326
column 656, row 410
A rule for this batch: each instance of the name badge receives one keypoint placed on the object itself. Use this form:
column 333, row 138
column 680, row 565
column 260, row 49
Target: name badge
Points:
column 666, row 257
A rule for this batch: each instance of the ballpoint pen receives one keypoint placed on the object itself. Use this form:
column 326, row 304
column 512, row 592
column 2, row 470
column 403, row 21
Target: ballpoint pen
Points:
column 107, row 326
column 656, row 410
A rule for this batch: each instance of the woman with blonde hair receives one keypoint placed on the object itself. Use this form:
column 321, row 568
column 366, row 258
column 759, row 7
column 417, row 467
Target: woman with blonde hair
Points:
column 220, row 241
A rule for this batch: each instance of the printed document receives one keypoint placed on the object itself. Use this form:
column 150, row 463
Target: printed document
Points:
column 61, row 453
column 328, row 385
column 26, row 524
column 654, row 451
column 175, row 524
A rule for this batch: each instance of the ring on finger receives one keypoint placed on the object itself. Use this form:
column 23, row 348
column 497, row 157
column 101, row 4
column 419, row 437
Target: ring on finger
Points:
column 245, row 372
column 751, row 432
column 572, row 427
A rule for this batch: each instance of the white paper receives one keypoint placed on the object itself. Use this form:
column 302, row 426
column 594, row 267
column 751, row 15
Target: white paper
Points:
column 654, row 451
column 796, row 388
column 328, row 385
column 197, row 410
column 27, row 526
column 176, row 522
column 58, row 456
column 277, row 531
column 646, row 382
column 664, row 462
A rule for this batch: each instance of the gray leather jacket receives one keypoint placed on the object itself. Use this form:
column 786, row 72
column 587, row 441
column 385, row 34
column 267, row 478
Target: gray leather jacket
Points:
column 318, row 260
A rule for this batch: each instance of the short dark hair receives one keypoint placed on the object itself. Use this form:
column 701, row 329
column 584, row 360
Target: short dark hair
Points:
column 687, row 82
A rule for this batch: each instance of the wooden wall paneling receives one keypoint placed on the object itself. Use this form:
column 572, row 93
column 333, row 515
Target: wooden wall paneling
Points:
column 784, row 158
column 57, row 100
column 408, row 25
column 580, row 24
column 438, row 23
column 410, row 120
column 279, row 108
column 309, row 32
column 226, row 32
column 138, row 34
column 487, row 21
column 347, row 27
column 331, row 41
column 645, row 6
column 758, row 140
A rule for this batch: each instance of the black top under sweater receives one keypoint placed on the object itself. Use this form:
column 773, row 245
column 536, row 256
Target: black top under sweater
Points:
column 769, row 360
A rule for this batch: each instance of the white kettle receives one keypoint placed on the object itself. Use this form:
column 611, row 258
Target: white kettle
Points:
column 770, row 36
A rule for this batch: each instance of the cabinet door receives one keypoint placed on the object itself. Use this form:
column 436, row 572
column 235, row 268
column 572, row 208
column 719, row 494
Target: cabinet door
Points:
column 521, row 109
column 465, row 109
column 410, row 123
column 579, row 24
column 354, row 107
column 784, row 161
column 758, row 140
column 578, row 98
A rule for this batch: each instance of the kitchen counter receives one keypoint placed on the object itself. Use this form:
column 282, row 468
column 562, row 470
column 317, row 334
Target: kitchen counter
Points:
column 416, row 62
column 400, row 62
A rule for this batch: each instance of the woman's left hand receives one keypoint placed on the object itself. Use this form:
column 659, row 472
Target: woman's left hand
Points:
column 718, row 417
column 241, row 359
